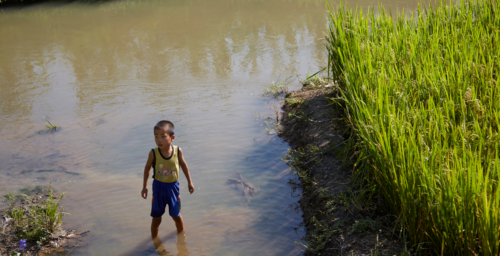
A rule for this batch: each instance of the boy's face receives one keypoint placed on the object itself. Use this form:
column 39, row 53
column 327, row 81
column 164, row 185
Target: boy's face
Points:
column 163, row 139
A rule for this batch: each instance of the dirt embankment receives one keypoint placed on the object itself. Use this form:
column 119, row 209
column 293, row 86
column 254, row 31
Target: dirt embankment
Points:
column 340, row 217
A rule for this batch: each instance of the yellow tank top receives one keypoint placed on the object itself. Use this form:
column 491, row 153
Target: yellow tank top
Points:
column 166, row 168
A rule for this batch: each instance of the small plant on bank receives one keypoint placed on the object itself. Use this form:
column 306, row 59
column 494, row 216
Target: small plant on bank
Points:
column 314, row 79
column 294, row 101
column 272, row 126
column 278, row 89
column 9, row 197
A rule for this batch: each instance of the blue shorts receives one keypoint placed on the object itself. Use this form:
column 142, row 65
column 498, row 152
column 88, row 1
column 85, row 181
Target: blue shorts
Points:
column 166, row 194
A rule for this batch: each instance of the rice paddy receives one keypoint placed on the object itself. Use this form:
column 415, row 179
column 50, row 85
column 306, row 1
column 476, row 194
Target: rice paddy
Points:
column 423, row 103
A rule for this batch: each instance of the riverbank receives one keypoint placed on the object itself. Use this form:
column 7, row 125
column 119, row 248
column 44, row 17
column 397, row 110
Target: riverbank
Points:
column 338, row 216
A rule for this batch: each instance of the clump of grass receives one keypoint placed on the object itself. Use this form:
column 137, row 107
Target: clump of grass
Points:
column 279, row 88
column 273, row 123
column 294, row 101
column 365, row 226
column 423, row 100
column 50, row 125
column 315, row 79
column 9, row 197
column 35, row 219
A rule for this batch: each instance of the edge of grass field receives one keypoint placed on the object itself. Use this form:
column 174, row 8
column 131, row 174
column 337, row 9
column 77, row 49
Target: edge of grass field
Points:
column 423, row 103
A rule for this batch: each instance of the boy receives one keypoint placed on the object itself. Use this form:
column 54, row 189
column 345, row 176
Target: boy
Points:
column 165, row 160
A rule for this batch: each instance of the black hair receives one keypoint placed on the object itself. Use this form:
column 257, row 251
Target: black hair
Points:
column 165, row 124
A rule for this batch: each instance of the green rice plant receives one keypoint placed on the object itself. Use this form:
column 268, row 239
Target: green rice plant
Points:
column 50, row 125
column 422, row 96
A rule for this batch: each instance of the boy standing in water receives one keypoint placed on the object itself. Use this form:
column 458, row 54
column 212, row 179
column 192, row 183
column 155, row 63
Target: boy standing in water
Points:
column 165, row 160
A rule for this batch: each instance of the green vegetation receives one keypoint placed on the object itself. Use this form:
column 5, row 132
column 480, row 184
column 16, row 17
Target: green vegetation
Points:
column 34, row 218
column 422, row 97
column 9, row 197
column 50, row 125
column 278, row 89
column 294, row 101
column 314, row 79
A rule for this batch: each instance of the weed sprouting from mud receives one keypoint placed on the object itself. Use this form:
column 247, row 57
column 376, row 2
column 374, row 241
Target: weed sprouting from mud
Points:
column 294, row 101
column 316, row 79
column 279, row 88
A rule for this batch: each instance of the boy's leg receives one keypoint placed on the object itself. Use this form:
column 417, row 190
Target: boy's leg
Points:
column 155, row 226
column 179, row 223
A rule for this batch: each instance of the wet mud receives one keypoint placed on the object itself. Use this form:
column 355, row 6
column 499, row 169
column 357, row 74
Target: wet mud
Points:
column 339, row 218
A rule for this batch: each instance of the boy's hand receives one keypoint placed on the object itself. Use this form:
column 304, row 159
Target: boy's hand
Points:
column 144, row 193
column 191, row 188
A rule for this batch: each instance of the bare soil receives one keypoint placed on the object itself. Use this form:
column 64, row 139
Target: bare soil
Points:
column 339, row 217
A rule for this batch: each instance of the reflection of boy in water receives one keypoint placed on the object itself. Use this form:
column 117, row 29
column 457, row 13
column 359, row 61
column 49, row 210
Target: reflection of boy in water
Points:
column 165, row 160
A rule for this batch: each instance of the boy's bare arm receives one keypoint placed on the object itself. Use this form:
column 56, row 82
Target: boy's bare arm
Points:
column 147, row 170
column 185, row 170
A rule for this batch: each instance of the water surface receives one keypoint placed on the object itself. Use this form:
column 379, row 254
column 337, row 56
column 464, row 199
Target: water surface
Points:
column 105, row 74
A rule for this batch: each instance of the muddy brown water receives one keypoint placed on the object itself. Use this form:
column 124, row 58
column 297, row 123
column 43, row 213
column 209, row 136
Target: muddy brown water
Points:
column 105, row 74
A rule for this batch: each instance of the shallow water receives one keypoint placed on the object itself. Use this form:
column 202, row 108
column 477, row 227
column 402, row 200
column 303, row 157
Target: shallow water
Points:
column 105, row 74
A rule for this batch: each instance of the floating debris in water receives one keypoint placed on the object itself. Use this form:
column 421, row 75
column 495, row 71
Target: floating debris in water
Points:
column 243, row 185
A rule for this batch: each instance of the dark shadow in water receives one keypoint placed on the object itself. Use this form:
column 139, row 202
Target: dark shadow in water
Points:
column 145, row 248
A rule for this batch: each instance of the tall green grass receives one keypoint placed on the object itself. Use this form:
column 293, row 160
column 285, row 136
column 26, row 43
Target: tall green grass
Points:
column 423, row 101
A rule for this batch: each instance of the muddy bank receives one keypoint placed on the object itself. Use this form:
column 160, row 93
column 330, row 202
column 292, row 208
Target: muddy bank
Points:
column 31, row 225
column 340, row 217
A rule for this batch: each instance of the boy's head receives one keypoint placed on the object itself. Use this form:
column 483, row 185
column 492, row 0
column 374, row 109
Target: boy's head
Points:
column 164, row 133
